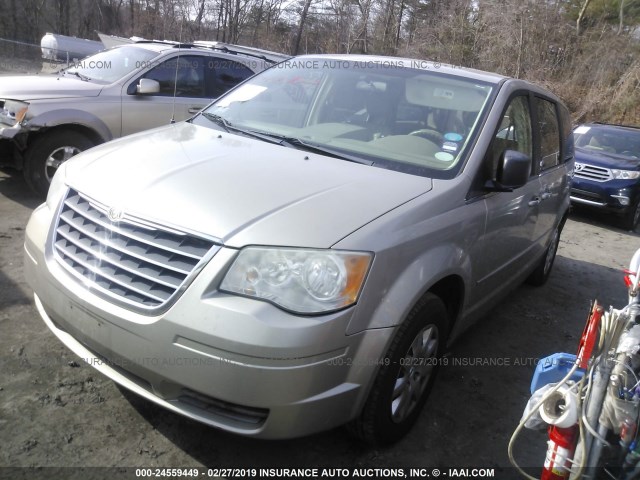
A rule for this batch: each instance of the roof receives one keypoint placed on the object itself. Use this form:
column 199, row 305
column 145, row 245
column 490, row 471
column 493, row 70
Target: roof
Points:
column 421, row 64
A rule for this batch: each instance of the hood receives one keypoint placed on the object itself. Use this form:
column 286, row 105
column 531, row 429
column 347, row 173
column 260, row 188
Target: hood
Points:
column 239, row 190
column 606, row 159
column 39, row 87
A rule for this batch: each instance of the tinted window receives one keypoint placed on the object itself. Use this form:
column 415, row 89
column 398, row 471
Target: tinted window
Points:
column 549, row 134
column 188, row 70
column 225, row 74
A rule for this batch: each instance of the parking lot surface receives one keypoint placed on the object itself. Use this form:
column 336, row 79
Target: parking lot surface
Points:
column 56, row 411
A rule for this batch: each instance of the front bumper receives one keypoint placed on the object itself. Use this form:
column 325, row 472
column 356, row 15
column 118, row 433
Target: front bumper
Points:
column 238, row 364
column 616, row 196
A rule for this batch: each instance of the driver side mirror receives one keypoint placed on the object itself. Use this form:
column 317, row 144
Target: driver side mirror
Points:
column 147, row 86
column 514, row 169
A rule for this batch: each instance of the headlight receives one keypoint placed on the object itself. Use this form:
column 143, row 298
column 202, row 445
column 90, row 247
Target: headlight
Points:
column 301, row 280
column 625, row 174
column 58, row 187
column 13, row 112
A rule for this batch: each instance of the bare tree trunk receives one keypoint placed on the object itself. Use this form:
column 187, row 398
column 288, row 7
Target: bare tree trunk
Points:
column 132, row 16
column 520, row 46
column 259, row 14
column 581, row 15
column 303, row 18
column 397, row 42
column 198, row 19
column 621, row 26
column 387, row 25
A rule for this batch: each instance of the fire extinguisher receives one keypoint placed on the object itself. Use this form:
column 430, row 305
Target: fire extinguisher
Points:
column 562, row 445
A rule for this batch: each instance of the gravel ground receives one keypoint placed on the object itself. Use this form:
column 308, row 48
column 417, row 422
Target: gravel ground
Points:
column 56, row 411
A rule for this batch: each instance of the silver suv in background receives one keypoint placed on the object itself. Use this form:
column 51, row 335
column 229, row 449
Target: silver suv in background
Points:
column 46, row 119
column 298, row 254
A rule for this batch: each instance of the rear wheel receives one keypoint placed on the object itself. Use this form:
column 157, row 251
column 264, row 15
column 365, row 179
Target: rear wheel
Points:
column 47, row 153
column 406, row 377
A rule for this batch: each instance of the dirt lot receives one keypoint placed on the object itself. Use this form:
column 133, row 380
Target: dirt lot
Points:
column 56, row 411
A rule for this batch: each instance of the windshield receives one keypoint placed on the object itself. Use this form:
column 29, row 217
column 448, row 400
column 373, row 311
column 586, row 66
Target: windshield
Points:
column 111, row 65
column 387, row 115
column 624, row 143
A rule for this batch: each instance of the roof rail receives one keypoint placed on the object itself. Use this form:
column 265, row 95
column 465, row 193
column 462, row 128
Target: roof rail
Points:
column 266, row 55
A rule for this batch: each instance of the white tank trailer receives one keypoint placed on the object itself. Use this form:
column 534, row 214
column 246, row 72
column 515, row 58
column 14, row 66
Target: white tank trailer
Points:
column 61, row 48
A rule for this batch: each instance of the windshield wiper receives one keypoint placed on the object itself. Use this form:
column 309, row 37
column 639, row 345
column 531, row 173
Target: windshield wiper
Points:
column 300, row 144
column 229, row 127
column 291, row 142
column 218, row 120
column 82, row 77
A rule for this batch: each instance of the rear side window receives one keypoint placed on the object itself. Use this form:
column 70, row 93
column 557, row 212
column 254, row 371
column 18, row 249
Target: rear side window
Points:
column 224, row 74
column 549, row 134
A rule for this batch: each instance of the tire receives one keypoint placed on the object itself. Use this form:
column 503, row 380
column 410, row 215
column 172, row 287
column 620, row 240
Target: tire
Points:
column 395, row 401
column 541, row 274
column 632, row 217
column 47, row 153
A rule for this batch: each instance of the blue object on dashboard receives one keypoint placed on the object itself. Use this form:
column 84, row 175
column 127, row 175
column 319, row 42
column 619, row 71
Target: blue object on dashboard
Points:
column 554, row 368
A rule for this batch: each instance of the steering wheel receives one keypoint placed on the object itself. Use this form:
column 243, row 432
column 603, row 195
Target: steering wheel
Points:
column 431, row 135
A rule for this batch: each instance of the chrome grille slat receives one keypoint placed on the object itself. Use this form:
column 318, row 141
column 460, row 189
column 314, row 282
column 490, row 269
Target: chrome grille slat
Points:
column 139, row 269
column 134, row 260
column 118, row 244
column 100, row 271
column 591, row 172
column 101, row 219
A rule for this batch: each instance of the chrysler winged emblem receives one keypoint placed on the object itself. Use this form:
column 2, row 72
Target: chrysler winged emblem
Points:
column 115, row 214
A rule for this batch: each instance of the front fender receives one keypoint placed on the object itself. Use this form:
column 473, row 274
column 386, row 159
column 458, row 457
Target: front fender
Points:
column 395, row 302
column 55, row 118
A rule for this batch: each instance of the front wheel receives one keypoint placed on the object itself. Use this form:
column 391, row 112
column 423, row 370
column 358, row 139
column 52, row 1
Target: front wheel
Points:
column 47, row 153
column 406, row 377
column 632, row 217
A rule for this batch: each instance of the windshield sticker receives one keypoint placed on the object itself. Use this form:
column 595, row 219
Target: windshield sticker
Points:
column 453, row 137
column 444, row 156
column 582, row 129
column 450, row 146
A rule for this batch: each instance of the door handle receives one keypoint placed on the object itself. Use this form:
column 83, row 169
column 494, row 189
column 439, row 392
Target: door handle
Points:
column 534, row 201
column 194, row 110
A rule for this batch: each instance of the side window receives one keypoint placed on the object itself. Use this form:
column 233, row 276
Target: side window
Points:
column 189, row 72
column 224, row 74
column 514, row 132
column 549, row 134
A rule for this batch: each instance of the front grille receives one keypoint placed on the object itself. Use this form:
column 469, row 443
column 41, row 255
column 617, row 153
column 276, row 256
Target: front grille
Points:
column 133, row 260
column 591, row 172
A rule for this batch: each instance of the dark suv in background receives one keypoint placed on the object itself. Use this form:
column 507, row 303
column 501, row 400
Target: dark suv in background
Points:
column 607, row 170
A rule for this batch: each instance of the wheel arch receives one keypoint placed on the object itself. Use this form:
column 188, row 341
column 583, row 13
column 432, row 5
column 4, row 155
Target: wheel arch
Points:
column 81, row 121
column 85, row 130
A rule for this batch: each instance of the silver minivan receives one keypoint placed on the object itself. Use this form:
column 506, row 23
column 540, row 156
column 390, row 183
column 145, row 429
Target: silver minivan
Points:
column 298, row 255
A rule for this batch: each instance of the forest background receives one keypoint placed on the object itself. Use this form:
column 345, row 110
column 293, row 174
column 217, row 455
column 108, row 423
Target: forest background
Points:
column 586, row 51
